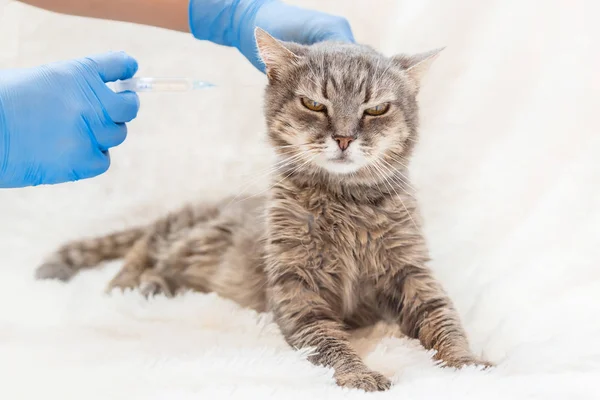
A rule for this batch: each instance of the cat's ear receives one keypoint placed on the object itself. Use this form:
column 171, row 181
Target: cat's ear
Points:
column 417, row 65
column 273, row 53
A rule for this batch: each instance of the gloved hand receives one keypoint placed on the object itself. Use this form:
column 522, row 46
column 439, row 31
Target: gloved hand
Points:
column 57, row 121
column 232, row 22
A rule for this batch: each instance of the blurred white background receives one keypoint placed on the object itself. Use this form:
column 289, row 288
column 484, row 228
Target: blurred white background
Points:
column 507, row 173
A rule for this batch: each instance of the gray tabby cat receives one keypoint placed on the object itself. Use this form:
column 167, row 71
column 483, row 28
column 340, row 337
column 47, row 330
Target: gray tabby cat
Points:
column 336, row 244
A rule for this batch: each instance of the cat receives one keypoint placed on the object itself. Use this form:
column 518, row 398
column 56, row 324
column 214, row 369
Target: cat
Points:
column 336, row 244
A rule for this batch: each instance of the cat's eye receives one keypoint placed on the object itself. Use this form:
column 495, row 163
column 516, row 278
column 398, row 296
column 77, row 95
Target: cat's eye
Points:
column 379, row 109
column 312, row 105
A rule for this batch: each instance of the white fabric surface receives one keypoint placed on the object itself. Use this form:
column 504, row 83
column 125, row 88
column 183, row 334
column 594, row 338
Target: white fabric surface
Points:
column 507, row 172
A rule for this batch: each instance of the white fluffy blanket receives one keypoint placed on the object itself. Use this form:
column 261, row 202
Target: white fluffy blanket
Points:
column 508, row 176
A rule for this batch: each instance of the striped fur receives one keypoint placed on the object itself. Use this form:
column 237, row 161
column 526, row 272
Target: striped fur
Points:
column 328, row 249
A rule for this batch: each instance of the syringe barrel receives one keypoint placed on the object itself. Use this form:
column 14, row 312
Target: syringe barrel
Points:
column 154, row 85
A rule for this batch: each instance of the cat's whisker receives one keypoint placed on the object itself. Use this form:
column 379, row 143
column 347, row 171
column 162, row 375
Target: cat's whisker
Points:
column 405, row 181
column 395, row 176
column 400, row 184
column 270, row 168
column 287, row 162
column 314, row 155
column 402, row 180
column 301, row 151
column 297, row 168
column 398, row 196
column 275, row 167
column 398, row 160
column 286, row 151
column 279, row 165
column 303, row 147
column 292, row 145
column 399, row 157
column 373, row 176
column 382, row 176
column 285, row 154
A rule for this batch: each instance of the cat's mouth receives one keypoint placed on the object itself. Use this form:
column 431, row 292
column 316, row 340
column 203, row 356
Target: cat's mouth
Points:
column 342, row 158
column 341, row 164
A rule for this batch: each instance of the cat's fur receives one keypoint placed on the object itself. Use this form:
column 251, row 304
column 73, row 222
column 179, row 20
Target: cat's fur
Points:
column 336, row 244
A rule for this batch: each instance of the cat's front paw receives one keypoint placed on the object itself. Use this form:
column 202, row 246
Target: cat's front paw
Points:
column 123, row 281
column 154, row 285
column 461, row 362
column 364, row 379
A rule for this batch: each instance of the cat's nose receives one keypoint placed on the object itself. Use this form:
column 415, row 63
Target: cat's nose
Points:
column 343, row 141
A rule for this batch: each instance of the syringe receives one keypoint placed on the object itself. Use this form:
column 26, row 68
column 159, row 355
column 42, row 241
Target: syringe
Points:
column 147, row 84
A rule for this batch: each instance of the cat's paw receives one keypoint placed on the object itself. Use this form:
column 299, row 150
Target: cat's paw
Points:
column 150, row 289
column 461, row 362
column 55, row 270
column 154, row 285
column 124, row 280
column 364, row 379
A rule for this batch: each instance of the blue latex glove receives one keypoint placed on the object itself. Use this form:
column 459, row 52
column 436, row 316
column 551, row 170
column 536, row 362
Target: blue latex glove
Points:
column 57, row 121
column 232, row 22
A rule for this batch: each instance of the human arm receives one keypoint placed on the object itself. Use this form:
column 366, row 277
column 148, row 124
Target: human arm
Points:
column 225, row 22
column 168, row 14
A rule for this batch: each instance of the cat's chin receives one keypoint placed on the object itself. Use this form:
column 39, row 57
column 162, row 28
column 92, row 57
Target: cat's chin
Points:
column 341, row 167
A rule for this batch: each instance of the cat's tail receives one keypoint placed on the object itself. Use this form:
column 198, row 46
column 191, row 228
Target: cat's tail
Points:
column 87, row 253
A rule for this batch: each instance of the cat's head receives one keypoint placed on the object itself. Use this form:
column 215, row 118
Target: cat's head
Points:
column 341, row 111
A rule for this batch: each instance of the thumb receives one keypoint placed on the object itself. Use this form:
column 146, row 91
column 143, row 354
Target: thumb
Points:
column 113, row 66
